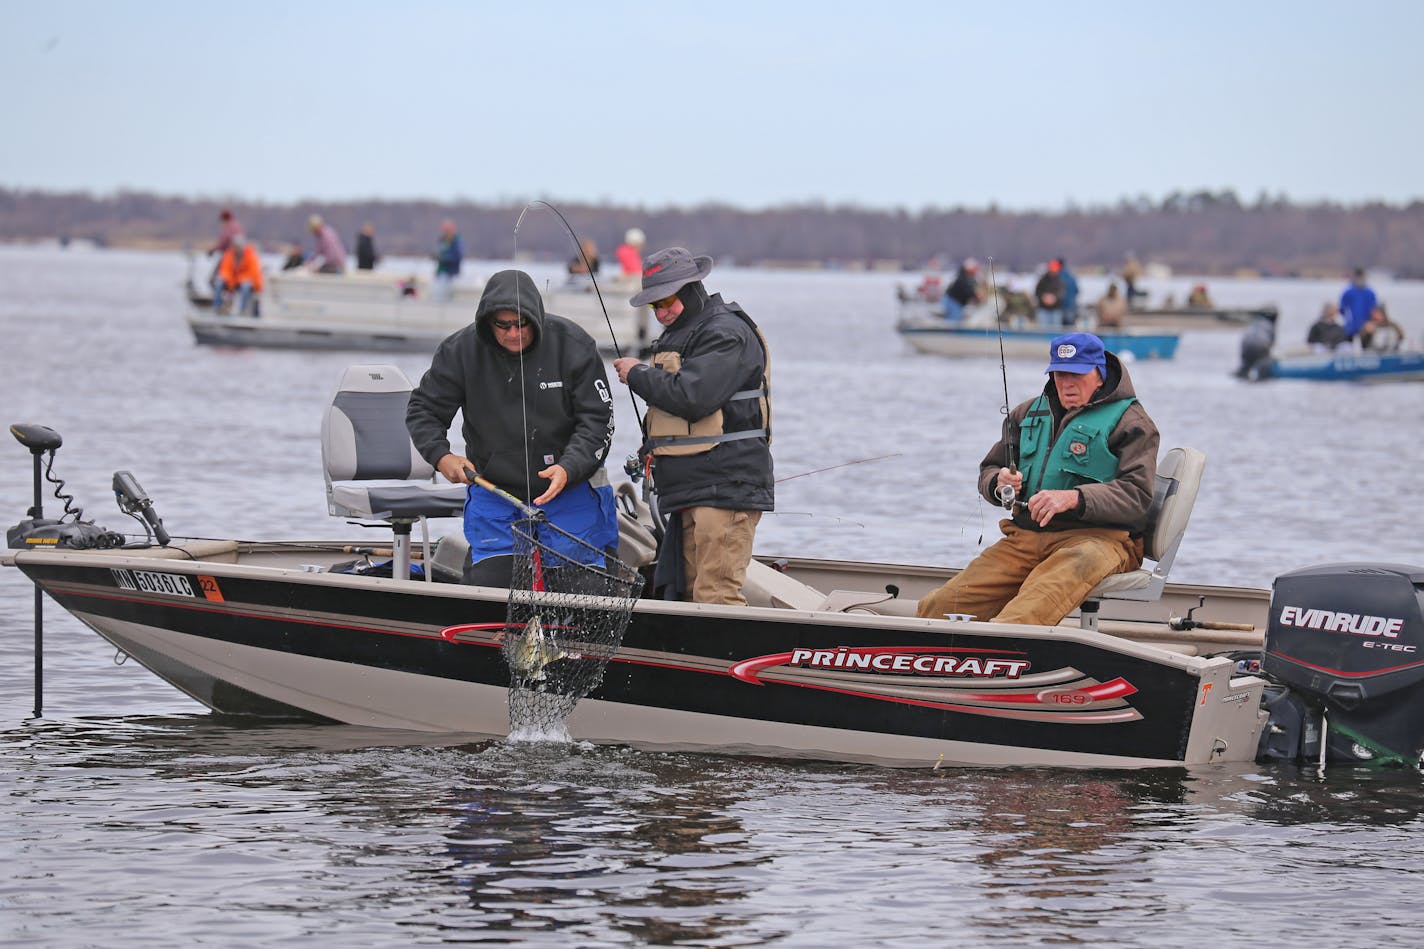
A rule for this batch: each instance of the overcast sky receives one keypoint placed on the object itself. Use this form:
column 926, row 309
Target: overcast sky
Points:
column 1029, row 104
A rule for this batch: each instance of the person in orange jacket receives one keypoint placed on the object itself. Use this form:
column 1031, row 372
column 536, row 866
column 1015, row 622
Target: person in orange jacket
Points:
column 239, row 271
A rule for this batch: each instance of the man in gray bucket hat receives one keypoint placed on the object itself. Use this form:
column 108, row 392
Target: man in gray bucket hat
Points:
column 707, row 429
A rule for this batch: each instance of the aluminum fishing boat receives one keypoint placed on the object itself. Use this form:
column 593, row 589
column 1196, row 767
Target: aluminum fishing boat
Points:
column 375, row 311
column 828, row 660
column 1025, row 340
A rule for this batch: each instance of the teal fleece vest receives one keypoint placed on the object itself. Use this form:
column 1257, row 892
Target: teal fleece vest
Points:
column 1079, row 456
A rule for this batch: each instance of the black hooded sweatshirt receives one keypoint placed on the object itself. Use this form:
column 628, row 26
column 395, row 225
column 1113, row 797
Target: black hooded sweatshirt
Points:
column 522, row 411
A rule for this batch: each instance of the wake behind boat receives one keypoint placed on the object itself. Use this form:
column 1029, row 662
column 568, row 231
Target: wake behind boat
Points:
column 375, row 311
column 829, row 660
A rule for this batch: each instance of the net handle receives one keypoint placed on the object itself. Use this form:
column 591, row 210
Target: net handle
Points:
column 529, row 511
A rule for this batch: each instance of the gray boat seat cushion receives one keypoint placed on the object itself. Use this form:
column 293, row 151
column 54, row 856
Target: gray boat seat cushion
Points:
column 1179, row 475
column 372, row 469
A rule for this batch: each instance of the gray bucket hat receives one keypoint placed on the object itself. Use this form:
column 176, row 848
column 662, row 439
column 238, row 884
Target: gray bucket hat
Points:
column 668, row 271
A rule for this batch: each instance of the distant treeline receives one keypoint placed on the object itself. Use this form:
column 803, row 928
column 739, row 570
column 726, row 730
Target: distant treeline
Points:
column 1200, row 232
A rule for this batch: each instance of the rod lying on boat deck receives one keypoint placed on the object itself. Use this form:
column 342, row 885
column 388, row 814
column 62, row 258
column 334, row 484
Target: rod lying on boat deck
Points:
column 1184, row 623
column 379, row 551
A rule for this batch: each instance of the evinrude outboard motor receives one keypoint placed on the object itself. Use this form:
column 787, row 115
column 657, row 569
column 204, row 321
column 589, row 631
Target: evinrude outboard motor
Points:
column 1346, row 646
column 1256, row 343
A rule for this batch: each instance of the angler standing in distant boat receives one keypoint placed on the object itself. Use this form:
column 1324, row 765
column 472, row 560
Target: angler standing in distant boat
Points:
column 1048, row 293
column 1357, row 304
column 963, row 290
column 449, row 254
column 330, row 254
column 630, row 252
column 366, row 255
column 708, row 428
column 230, row 228
column 1087, row 463
column 538, row 422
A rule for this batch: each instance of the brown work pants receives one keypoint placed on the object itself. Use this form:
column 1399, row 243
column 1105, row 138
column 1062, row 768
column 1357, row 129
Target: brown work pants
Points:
column 1035, row 577
column 716, row 548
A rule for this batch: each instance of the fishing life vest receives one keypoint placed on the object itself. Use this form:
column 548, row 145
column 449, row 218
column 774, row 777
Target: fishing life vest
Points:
column 1079, row 456
column 670, row 434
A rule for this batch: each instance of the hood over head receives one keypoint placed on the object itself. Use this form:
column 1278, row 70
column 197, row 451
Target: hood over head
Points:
column 509, row 290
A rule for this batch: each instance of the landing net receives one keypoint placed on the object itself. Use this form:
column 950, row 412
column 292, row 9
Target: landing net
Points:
column 569, row 605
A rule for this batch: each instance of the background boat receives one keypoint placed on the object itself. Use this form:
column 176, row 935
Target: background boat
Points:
column 1199, row 318
column 397, row 311
column 1346, row 367
column 939, row 338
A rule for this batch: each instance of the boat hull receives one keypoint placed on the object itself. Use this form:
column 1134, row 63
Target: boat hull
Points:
column 375, row 313
column 270, row 640
column 1351, row 367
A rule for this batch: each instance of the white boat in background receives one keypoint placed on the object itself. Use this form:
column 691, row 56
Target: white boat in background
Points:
column 390, row 311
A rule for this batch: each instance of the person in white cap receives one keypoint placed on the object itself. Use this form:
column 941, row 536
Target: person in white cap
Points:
column 708, row 428
column 1081, row 460
column 630, row 252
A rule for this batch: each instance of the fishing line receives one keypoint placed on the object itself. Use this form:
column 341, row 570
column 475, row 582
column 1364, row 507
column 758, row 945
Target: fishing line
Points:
column 588, row 266
column 523, row 391
column 844, row 464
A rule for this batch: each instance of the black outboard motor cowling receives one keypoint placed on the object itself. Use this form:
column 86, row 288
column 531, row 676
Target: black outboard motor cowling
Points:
column 1348, row 640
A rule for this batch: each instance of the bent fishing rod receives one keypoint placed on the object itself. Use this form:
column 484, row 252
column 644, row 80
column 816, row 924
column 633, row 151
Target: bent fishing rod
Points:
column 588, row 266
column 1008, row 497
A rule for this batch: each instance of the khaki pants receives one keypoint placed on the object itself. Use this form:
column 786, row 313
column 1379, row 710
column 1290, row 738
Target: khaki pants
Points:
column 1035, row 577
column 716, row 548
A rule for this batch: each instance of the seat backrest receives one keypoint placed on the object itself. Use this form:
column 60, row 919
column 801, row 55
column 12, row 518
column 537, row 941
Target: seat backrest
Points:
column 363, row 432
column 1179, row 475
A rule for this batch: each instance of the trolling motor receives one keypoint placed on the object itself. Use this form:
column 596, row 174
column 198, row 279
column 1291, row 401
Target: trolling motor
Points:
column 70, row 530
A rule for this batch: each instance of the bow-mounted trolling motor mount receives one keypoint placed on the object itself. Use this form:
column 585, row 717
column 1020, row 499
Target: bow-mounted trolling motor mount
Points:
column 69, row 531
column 134, row 502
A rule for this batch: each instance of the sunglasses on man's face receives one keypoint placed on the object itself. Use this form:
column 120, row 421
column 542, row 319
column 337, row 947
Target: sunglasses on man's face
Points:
column 508, row 325
column 665, row 303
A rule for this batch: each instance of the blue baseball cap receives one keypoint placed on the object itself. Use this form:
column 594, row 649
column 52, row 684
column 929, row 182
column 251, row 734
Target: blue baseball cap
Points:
column 1077, row 352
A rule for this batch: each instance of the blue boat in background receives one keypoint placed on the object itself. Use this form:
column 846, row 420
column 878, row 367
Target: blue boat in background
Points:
column 1260, row 360
column 1348, row 366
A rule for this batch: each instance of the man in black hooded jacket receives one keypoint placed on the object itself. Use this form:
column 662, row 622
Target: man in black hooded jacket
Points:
column 538, row 422
column 708, row 426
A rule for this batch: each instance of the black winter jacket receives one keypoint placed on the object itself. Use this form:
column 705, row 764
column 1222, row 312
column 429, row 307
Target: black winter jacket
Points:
column 721, row 355
column 565, row 401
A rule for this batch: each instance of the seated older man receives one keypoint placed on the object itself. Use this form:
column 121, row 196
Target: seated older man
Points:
column 1075, row 467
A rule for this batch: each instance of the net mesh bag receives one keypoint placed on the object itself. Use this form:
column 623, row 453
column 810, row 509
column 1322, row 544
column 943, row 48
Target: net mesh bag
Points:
column 569, row 604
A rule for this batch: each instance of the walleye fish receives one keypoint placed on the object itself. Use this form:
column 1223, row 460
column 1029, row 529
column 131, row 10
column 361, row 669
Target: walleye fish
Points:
column 534, row 651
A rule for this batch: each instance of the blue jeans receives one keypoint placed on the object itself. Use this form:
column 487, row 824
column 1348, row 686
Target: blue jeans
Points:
column 1053, row 318
column 244, row 296
column 953, row 310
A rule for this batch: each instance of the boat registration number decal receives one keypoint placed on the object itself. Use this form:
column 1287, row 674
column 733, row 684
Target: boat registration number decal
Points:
column 175, row 584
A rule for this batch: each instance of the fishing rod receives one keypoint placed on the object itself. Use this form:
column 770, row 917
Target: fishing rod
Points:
column 844, row 464
column 1008, row 497
column 588, row 266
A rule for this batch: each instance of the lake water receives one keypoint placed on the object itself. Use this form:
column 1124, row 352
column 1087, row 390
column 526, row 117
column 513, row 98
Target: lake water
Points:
column 132, row 817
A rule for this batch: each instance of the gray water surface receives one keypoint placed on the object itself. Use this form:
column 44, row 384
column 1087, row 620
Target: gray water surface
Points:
column 130, row 816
